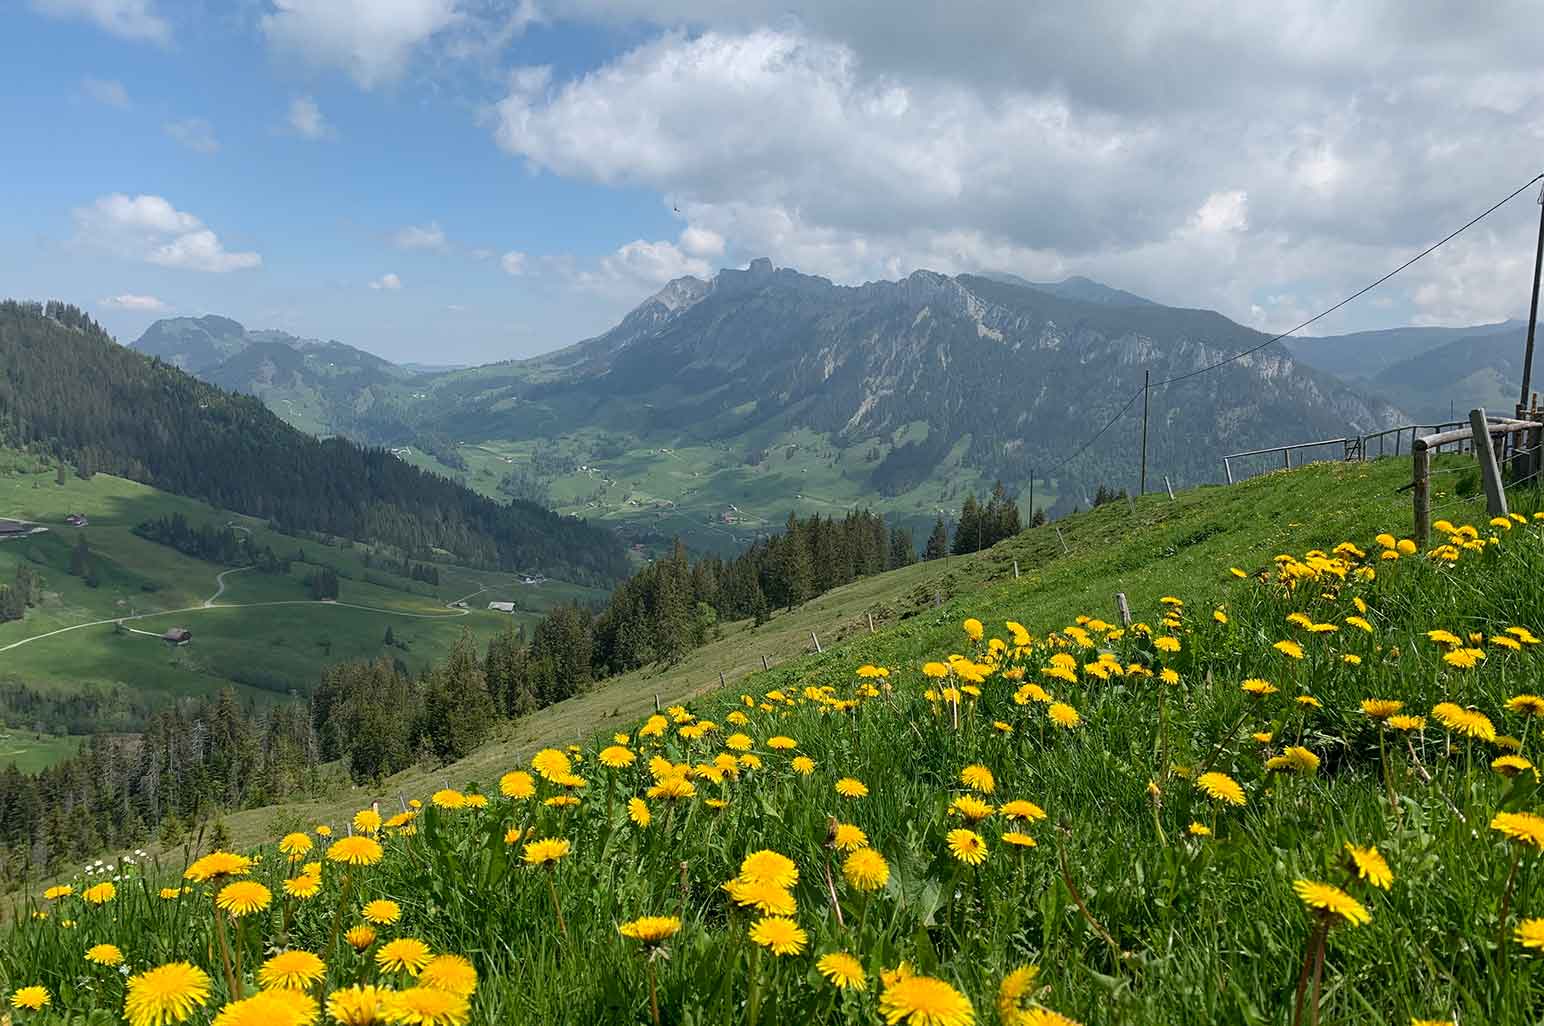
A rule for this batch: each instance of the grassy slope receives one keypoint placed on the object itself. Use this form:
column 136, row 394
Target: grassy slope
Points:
column 1160, row 546
column 265, row 652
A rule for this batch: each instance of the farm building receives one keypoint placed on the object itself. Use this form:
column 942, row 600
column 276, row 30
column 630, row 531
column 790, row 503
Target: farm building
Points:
column 502, row 607
column 177, row 636
column 8, row 527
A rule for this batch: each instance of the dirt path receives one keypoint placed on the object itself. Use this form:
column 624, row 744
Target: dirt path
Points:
column 219, row 579
column 236, row 605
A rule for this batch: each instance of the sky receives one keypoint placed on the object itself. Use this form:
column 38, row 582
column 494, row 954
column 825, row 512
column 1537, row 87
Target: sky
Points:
column 461, row 181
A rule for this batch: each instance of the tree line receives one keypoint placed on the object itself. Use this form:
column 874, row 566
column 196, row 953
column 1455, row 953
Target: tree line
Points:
column 216, row 544
column 68, row 391
column 25, row 589
column 191, row 762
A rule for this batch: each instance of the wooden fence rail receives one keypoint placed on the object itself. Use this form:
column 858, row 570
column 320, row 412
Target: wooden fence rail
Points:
column 1504, row 439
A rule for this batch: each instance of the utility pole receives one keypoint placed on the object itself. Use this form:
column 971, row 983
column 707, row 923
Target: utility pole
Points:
column 1146, row 377
column 1031, row 496
column 1533, row 315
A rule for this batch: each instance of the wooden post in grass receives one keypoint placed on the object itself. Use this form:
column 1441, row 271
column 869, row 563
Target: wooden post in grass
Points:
column 1169, row 486
column 816, row 640
column 1015, row 569
column 721, row 678
column 1227, row 469
column 1485, row 452
column 1421, row 489
column 1063, row 541
column 1123, row 608
column 656, row 703
column 871, row 623
column 764, row 665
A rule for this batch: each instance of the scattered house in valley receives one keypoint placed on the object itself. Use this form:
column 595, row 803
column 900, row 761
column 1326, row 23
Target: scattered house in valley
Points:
column 77, row 520
column 13, row 527
column 502, row 607
column 177, row 636
column 532, row 579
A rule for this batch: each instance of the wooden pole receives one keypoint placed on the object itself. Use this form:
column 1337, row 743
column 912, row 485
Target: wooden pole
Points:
column 1015, row 569
column 1031, row 497
column 1169, row 486
column 816, row 641
column 1485, row 452
column 656, row 703
column 1533, row 312
column 1147, row 377
column 1422, row 493
column 1228, row 468
column 1122, row 607
column 764, row 665
column 1062, row 540
column 721, row 681
column 871, row 623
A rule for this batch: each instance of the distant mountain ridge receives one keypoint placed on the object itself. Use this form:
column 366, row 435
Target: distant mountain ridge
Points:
column 321, row 387
column 1084, row 290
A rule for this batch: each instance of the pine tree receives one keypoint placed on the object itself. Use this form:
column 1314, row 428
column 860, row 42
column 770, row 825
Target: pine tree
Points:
column 967, row 533
column 938, row 541
column 902, row 551
column 458, row 710
column 390, row 639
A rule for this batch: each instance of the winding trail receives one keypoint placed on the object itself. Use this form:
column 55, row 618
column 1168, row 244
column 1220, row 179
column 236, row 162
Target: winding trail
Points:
column 235, row 605
column 219, row 579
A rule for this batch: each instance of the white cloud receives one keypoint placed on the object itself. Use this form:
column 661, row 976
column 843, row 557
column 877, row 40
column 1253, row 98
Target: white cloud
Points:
column 129, row 19
column 513, row 263
column 482, row 253
column 151, row 229
column 372, row 40
column 390, row 282
column 1183, row 154
column 194, row 133
column 640, row 267
column 130, row 301
column 306, row 119
column 429, row 236
column 106, row 91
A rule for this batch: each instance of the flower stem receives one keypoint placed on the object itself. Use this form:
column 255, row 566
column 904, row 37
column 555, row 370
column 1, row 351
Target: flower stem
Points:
column 1388, row 777
column 753, row 1000
column 653, row 992
column 1315, row 945
column 225, row 951
column 552, row 888
column 1506, row 906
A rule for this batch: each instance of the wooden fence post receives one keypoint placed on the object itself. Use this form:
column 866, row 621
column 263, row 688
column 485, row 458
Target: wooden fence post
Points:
column 1485, row 452
column 721, row 681
column 1228, row 468
column 871, row 623
column 1170, row 487
column 1063, row 541
column 764, row 665
column 816, row 641
column 1422, row 492
column 1123, row 608
column 1015, row 569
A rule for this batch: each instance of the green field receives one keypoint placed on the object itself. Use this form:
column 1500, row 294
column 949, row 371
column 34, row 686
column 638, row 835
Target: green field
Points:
column 1170, row 870
column 263, row 636
column 30, row 752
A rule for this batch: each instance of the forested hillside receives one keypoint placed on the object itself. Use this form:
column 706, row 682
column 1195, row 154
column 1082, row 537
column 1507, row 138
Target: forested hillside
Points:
column 69, row 390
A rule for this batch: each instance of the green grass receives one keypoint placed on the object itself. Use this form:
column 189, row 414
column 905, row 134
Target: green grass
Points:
column 264, row 638
column 30, row 752
column 1129, row 917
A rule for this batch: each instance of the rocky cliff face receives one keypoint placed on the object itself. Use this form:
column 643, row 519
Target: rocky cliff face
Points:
column 1022, row 374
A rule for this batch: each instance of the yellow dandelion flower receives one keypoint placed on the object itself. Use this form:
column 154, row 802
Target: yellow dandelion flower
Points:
column 1013, row 994
column 1018, row 839
column 1370, row 865
column 357, row 1005
column 295, row 845
column 403, row 955
column 166, row 994
column 967, row 846
column 1527, row 705
column 1018, row 808
column 651, row 930
column 866, row 870
column 518, row 784
column 978, row 778
column 851, row 787
column 616, row 756
column 101, row 894
column 1309, row 701
column 1289, row 648
column 381, row 912
column 638, row 812
column 1510, row 765
column 104, row 954
column 1407, row 722
column 547, row 851
column 303, row 886
column 61, row 891
column 1200, row 830
column 243, row 898
column 843, row 971
column 1220, row 787
column 453, row 974
column 217, row 865
column 1530, row 934
column 367, row 821
column 1257, row 687
column 360, row 937
column 971, row 807
column 355, row 851
column 848, row 837
column 425, row 1006
column 767, row 866
column 1063, row 715
column 33, row 998
column 779, row 935
column 1332, row 899
column 762, row 895
column 293, row 970
column 925, row 1001
column 1520, row 826
column 974, row 629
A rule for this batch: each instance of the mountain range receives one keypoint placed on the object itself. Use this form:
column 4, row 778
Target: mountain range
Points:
column 717, row 405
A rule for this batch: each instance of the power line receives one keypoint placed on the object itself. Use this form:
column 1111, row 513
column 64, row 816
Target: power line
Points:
column 1318, row 316
column 1364, row 289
